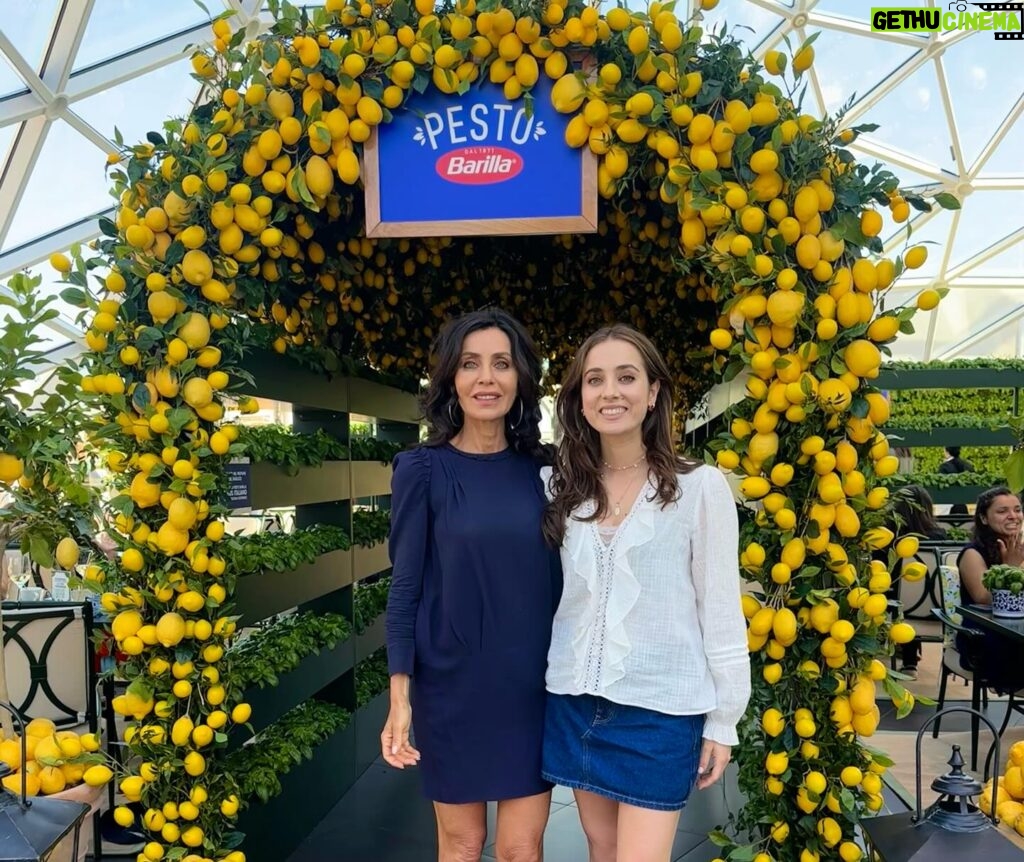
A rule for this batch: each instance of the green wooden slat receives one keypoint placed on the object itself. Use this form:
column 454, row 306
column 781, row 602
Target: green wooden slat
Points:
column 952, row 437
column 949, row 378
column 263, row 595
column 273, row 488
column 370, row 479
column 367, row 562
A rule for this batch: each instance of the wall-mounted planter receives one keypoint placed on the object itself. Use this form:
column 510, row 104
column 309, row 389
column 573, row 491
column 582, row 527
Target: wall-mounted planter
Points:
column 297, row 686
column 383, row 402
column 262, row 595
column 368, row 723
column 371, row 640
column 272, row 487
column 949, row 378
column 370, row 561
column 951, row 437
column 274, row 829
column 370, row 479
column 282, row 380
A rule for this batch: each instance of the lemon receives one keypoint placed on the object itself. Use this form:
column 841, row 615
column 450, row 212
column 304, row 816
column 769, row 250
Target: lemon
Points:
column 928, row 299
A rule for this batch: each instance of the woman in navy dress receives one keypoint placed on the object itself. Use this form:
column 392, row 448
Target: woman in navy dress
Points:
column 473, row 592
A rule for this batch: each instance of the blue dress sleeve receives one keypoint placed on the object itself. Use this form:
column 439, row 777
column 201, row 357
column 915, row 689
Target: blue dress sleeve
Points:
column 407, row 547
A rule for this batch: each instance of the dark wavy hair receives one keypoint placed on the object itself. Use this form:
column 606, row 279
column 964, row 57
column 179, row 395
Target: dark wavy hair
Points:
column 576, row 474
column 913, row 513
column 985, row 537
column 440, row 403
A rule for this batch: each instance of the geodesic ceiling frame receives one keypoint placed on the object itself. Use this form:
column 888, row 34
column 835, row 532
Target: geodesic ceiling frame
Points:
column 53, row 87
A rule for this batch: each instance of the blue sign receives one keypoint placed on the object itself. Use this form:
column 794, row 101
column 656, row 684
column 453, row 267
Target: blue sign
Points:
column 478, row 164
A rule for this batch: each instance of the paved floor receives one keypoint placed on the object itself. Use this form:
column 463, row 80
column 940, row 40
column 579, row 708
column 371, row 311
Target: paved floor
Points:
column 384, row 818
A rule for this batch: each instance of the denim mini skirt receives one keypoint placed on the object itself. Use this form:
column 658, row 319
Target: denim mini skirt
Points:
column 626, row 753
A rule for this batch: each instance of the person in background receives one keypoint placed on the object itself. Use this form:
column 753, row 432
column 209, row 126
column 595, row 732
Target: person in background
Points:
column 913, row 516
column 955, row 464
column 998, row 538
column 473, row 592
column 648, row 672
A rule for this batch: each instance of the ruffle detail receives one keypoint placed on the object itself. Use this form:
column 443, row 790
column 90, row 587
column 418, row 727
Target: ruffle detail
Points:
column 584, row 547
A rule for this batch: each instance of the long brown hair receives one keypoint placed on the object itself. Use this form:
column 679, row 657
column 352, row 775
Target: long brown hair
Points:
column 576, row 475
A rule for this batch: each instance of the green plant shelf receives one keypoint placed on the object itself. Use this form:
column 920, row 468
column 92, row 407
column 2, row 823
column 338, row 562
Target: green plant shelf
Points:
column 951, row 437
column 371, row 640
column 949, row 378
column 281, row 379
column 369, row 398
column 370, row 479
column 368, row 723
column 272, row 487
column 962, row 494
column 314, row 673
column 367, row 562
column 274, row 829
column 262, row 595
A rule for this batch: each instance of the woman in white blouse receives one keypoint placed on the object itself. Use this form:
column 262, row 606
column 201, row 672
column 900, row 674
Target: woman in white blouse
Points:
column 648, row 672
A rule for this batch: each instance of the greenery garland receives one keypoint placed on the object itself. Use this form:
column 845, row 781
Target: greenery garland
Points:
column 266, row 653
column 735, row 230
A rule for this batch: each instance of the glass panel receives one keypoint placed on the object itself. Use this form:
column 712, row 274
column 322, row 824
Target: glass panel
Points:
column 67, row 183
column 987, row 218
column 142, row 104
column 1007, row 263
column 28, row 24
column 115, row 27
column 840, row 79
column 1006, row 158
column 967, row 310
column 985, row 78
column 911, row 119
column 1002, row 344
column 10, row 81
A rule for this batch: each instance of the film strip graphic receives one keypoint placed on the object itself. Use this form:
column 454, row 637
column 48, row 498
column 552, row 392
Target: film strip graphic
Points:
column 1003, row 7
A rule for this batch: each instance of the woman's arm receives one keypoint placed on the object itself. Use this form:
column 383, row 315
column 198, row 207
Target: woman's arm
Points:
column 716, row 578
column 972, row 569
column 408, row 547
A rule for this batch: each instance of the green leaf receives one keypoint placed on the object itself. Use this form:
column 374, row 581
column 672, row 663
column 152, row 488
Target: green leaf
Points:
column 947, row 201
column 1015, row 471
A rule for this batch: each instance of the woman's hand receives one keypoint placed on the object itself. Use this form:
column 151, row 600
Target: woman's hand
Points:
column 1011, row 549
column 714, row 757
column 394, row 739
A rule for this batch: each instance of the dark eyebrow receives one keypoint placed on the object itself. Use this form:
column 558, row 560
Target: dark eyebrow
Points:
column 619, row 368
column 468, row 355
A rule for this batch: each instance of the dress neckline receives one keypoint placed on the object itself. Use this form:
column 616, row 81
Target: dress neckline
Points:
column 480, row 456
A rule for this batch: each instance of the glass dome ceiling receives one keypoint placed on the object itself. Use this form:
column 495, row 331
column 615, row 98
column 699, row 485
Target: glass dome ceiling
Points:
column 948, row 107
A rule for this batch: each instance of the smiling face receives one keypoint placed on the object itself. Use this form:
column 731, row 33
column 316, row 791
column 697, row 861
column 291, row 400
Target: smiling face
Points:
column 486, row 381
column 1004, row 515
column 616, row 391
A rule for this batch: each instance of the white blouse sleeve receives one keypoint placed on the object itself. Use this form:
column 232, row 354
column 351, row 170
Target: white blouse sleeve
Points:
column 715, row 566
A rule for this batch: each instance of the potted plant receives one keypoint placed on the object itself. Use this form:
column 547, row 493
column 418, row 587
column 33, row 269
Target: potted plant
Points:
column 1006, row 583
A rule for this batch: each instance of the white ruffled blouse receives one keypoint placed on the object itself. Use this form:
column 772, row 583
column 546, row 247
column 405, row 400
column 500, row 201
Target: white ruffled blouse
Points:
column 652, row 617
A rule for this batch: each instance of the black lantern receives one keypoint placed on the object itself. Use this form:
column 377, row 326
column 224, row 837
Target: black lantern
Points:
column 953, row 827
column 31, row 829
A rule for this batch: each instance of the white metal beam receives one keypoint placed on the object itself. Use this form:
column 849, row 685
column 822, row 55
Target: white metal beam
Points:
column 25, row 149
column 861, row 28
column 1003, row 183
column 69, row 29
column 39, row 249
column 947, row 108
column 900, row 158
column 929, row 338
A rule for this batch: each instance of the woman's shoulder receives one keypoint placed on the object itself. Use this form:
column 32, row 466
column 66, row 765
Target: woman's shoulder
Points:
column 413, row 463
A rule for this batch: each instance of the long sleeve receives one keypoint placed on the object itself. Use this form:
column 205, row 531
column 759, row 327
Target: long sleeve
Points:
column 717, row 583
column 407, row 547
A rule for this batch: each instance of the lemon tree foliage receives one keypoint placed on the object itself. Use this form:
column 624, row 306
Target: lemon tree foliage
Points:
column 734, row 229
column 46, row 502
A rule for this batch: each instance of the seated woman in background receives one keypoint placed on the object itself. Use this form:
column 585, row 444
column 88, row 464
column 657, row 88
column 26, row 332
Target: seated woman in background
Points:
column 913, row 516
column 998, row 519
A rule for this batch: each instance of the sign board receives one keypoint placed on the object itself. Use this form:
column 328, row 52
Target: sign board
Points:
column 478, row 164
column 239, row 477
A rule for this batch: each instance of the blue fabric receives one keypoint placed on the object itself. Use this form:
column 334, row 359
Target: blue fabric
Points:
column 474, row 590
column 626, row 753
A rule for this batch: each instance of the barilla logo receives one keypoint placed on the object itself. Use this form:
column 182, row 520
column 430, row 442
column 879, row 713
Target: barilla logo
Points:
column 479, row 166
column 472, row 141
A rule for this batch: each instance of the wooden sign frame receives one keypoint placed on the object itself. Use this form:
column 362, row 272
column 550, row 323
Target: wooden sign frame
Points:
column 583, row 222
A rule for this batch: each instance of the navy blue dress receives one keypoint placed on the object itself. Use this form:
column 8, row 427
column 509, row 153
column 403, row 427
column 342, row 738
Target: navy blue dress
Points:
column 473, row 593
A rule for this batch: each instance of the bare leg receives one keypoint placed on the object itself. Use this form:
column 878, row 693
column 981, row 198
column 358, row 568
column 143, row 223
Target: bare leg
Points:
column 461, row 831
column 599, row 817
column 521, row 824
column 646, row 835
